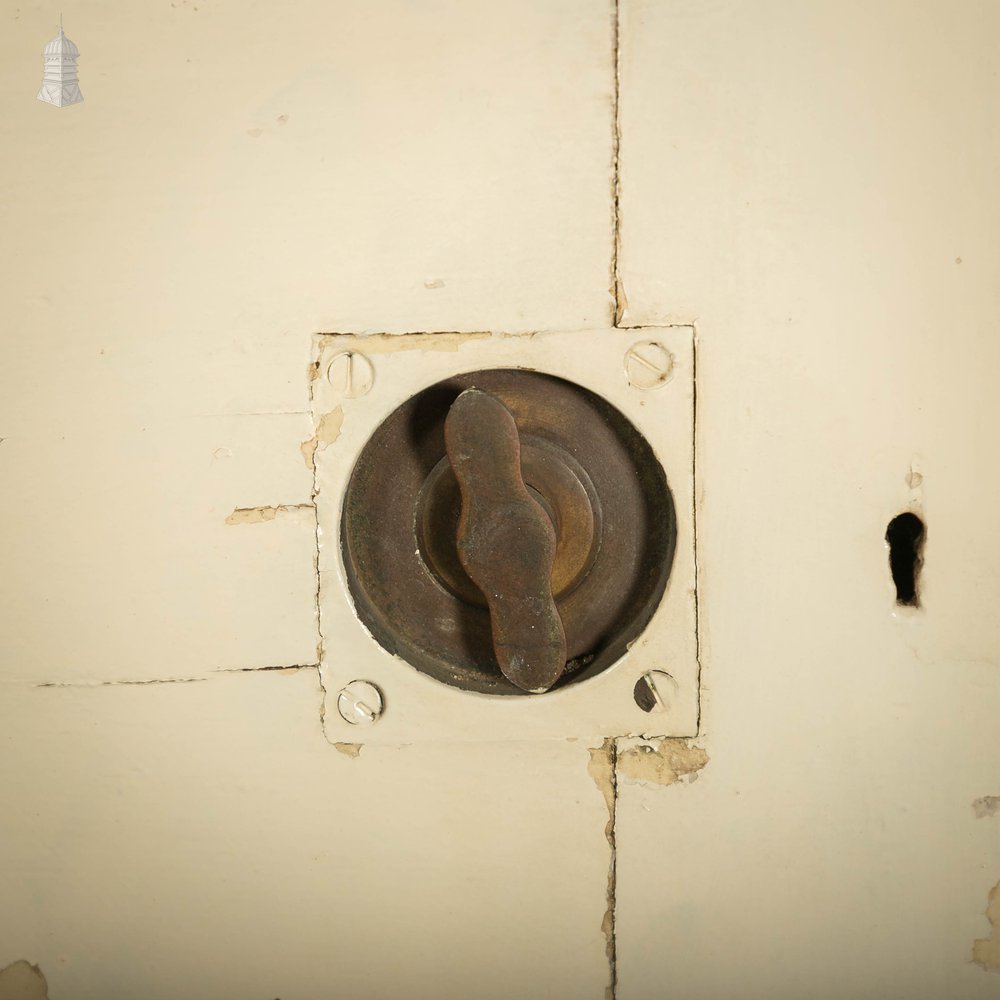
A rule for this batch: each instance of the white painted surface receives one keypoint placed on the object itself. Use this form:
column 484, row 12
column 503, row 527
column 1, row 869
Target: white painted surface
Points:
column 205, row 840
column 815, row 186
column 241, row 177
column 237, row 180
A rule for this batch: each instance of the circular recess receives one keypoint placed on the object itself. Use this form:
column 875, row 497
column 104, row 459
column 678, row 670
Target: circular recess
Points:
column 592, row 472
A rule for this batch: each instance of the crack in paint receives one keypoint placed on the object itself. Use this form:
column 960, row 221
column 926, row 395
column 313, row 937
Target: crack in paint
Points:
column 389, row 343
column 619, row 302
column 669, row 761
column 694, row 515
column 603, row 768
column 289, row 669
column 327, row 431
column 121, row 683
column 320, row 647
column 281, row 668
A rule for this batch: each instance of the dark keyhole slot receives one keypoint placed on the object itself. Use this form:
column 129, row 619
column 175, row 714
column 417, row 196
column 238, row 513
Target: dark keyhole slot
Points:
column 905, row 536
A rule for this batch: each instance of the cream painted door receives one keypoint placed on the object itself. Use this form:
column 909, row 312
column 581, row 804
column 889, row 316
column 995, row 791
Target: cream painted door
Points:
column 815, row 186
column 811, row 187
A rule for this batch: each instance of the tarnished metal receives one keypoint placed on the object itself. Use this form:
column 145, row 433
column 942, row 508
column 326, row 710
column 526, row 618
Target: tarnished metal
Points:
column 506, row 541
column 586, row 467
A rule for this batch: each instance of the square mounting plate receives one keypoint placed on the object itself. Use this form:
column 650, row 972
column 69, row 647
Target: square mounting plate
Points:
column 648, row 374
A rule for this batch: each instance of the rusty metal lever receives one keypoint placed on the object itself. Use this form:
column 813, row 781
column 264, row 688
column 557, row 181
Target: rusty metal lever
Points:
column 506, row 542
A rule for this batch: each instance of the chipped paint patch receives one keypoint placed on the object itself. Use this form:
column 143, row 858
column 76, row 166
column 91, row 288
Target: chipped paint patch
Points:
column 327, row 431
column 986, row 951
column 23, row 981
column 602, row 768
column 665, row 763
column 257, row 515
column 389, row 343
column 988, row 805
column 348, row 749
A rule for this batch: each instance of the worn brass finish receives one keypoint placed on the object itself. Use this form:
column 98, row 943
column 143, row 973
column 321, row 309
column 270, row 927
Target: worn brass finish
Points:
column 561, row 487
column 589, row 470
column 506, row 541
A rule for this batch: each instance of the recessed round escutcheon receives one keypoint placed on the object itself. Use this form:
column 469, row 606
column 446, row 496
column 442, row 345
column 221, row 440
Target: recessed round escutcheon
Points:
column 592, row 473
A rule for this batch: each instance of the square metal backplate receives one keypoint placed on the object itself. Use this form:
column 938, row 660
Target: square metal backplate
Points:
column 649, row 376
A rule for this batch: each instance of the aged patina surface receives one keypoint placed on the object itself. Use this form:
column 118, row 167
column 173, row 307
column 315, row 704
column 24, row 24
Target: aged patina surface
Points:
column 588, row 477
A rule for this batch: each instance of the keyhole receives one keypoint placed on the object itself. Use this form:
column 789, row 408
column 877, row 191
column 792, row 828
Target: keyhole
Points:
column 905, row 536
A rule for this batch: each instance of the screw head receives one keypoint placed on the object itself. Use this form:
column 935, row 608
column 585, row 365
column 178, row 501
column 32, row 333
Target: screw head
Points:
column 648, row 365
column 654, row 691
column 351, row 374
column 360, row 703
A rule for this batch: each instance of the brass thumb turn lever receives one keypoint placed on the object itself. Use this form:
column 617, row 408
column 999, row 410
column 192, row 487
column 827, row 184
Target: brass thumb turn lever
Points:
column 506, row 542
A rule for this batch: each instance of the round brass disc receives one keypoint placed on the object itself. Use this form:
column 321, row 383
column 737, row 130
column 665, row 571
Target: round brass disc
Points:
column 589, row 468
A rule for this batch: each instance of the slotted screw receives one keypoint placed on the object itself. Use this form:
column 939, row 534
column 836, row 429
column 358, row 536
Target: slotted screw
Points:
column 648, row 365
column 351, row 374
column 360, row 703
